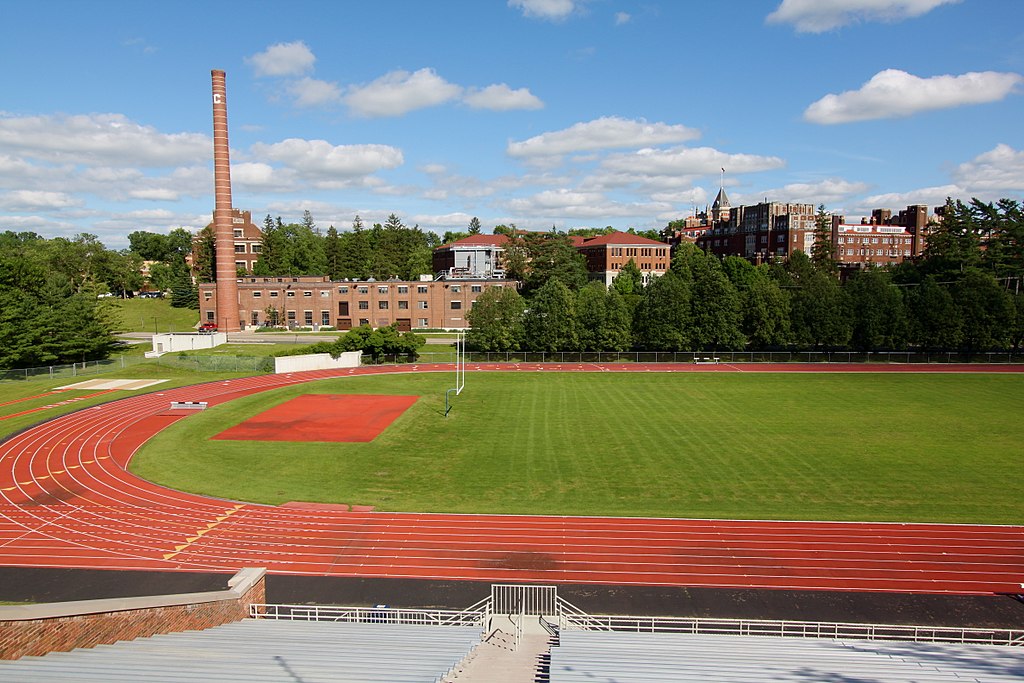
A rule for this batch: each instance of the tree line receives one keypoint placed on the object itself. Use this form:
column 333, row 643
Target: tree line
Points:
column 964, row 294
column 53, row 305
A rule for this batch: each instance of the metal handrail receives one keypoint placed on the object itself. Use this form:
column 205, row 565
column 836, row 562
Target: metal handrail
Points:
column 368, row 615
column 797, row 629
column 571, row 617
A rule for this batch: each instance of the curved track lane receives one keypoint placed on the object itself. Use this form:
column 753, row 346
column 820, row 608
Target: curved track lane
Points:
column 67, row 500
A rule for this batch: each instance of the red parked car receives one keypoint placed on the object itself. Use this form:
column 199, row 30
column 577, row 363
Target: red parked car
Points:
column 207, row 328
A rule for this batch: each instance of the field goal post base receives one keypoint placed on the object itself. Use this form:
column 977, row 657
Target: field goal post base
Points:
column 460, row 371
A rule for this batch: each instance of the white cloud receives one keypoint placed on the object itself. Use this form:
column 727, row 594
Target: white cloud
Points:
column 563, row 203
column 603, row 133
column 932, row 196
column 829, row 191
column 283, row 59
column 35, row 200
column 551, row 10
column 893, row 93
column 685, row 161
column 319, row 158
column 500, row 97
column 105, row 138
column 400, row 92
column 155, row 194
column 818, row 16
column 1001, row 169
column 256, row 176
column 311, row 92
column 622, row 18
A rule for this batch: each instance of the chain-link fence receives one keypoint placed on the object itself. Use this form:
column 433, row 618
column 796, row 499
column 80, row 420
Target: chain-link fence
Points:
column 86, row 369
column 448, row 356
column 264, row 364
column 195, row 363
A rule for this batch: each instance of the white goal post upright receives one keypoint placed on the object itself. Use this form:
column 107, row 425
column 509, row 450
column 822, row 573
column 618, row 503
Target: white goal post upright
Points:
column 460, row 371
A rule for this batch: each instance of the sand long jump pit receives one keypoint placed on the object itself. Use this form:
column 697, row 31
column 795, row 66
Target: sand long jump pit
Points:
column 340, row 418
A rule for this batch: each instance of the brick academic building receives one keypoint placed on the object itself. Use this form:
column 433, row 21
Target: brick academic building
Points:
column 316, row 301
column 463, row 269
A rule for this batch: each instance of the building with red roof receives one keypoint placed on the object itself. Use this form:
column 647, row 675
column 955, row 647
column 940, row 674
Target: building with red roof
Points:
column 607, row 254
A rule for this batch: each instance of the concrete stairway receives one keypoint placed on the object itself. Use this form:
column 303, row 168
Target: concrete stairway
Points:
column 497, row 660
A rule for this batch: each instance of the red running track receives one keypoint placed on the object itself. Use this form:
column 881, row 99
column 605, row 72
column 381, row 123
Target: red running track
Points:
column 67, row 500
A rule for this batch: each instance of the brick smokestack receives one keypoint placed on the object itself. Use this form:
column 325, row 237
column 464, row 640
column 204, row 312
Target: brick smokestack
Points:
column 227, row 285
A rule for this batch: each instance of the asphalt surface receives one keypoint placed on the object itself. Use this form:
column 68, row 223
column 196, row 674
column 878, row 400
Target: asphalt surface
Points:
column 58, row 585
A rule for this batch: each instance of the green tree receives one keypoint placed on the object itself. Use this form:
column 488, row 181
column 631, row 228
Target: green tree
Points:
column 820, row 312
column 205, row 264
column 355, row 252
column 553, row 257
column 715, row 306
column 629, row 280
column 661, row 321
column 604, row 319
column 332, row 253
column 879, row 313
column 184, row 293
column 275, row 259
column 550, row 321
column 496, row 321
column 935, row 320
column 823, row 251
column 986, row 309
column 765, row 310
column 954, row 245
column 474, row 226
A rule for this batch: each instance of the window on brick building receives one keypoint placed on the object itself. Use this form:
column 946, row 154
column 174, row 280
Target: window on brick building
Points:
column 364, row 305
column 382, row 305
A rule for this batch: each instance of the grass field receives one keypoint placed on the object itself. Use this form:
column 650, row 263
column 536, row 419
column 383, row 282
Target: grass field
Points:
column 149, row 315
column 884, row 447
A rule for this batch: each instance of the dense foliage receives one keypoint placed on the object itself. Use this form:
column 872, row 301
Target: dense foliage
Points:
column 377, row 343
column 965, row 295
column 382, row 252
column 53, row 305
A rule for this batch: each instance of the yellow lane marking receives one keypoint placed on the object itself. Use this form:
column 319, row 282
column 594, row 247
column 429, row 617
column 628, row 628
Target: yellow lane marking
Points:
column 201, row 532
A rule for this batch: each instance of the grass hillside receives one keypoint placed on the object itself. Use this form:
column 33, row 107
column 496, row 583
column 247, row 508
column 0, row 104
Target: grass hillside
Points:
column 884, row 447
column 149, row 315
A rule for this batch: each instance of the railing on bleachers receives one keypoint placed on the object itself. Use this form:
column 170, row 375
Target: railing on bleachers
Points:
column 519, row 601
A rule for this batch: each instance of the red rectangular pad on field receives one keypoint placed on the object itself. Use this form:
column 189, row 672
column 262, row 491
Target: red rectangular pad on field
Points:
column 322, row 417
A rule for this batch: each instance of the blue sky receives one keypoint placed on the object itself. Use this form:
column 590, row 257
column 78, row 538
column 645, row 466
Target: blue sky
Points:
column 564, row 113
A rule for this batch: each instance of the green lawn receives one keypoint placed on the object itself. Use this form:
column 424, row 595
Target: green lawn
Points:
column 149, row 315
column 764, row 446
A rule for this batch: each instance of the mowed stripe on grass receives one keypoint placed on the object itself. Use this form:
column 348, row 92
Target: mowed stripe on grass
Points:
column 907, row 447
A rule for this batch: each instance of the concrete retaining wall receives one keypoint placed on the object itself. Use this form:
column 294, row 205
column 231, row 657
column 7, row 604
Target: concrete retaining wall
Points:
column 317, row 361
column 63, row 626
column 186, row 341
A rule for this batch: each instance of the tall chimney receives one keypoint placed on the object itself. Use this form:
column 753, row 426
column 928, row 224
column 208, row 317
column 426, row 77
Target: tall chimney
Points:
column 227, row 286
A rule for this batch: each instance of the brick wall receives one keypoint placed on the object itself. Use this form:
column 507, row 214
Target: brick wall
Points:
column 20, row 637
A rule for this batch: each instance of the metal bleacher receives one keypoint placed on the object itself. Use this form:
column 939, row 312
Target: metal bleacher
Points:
column 263, row 650
column 638, row 657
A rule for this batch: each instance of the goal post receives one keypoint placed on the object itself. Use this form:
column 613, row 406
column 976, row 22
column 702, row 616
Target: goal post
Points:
column 460, row 371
